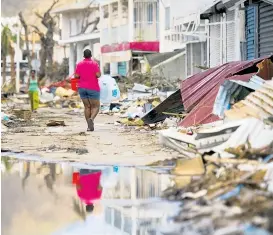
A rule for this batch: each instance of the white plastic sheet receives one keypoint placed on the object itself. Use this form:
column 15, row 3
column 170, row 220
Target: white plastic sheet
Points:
column 109, row 90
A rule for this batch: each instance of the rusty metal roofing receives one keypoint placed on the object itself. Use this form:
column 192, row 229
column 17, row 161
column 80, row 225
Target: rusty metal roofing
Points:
column 199, row 91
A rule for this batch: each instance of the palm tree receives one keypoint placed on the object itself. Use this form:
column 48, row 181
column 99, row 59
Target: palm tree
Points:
column 7, row 40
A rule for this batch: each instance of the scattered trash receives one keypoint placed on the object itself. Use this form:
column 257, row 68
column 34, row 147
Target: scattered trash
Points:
column 109, row 89
column 79, row 151
column 55, row 123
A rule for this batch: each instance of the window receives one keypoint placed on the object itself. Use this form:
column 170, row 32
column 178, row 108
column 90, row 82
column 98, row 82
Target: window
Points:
column 167, row 18
column 150, row 13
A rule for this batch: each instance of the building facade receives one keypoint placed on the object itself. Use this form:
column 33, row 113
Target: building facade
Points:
column 238, row 30
column 129, row 30
column 215, row 33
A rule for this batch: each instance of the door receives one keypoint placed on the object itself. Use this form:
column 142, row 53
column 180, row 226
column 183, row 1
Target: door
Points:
column 215, row 41
column 230, row 36
column 251, row 28
column 265, row 29
column 122, row 68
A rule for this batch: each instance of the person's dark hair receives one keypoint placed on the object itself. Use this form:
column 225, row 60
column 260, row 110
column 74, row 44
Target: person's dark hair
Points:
column 33, row 71
column 89, row 208
column 87, row 54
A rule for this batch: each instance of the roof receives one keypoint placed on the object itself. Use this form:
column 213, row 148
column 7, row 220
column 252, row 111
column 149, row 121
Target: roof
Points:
column 155, row 59
column 199, row 91
column 75, row 6
column 258, row 104
column 233, row 89
column 172, row 104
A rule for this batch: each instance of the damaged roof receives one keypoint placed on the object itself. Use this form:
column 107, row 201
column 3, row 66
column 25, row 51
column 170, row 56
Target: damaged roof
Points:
column 157, row 58
column 199, row 91
column 258, row 104
column 172, row 104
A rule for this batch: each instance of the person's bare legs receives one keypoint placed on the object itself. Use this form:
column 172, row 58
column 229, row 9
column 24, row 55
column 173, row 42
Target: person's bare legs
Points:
column 87, row 110
column 95, row 108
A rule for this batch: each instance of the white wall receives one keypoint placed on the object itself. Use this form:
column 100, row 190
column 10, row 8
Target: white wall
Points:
column 182, row 8
column 71, row 23
column 178, row 11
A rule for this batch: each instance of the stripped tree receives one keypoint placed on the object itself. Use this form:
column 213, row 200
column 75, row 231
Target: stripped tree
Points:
column 47, row 41
column 25, row 26
column 85, row 19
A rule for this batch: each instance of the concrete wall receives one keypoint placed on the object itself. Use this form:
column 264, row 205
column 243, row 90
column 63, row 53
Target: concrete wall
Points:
column 172, row 70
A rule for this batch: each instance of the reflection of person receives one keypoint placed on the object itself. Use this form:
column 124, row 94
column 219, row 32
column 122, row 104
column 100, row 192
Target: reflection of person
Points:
column 88, row 187
column 33, row 91
column 88, row 72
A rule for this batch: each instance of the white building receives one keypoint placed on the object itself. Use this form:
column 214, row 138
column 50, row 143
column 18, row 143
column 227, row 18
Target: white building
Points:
column 217, row 32
column 79, row 23
column 129, row 30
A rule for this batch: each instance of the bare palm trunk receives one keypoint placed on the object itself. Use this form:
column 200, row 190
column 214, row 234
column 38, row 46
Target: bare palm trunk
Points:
column 12, row 66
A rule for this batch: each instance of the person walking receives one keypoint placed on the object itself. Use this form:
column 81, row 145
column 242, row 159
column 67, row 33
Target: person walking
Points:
column 33, row 91
column 88, row 72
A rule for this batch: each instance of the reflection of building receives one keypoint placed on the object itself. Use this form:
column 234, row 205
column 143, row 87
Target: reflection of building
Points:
column 129, row 30
column 143, row 185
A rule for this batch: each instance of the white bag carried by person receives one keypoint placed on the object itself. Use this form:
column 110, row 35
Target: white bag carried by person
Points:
column 109, row 90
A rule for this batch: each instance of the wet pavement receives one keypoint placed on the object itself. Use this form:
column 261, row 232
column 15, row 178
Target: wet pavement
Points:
column 65, row 198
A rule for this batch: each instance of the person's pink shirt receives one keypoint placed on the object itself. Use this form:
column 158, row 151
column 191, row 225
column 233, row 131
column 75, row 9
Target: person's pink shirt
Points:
column 87, row 70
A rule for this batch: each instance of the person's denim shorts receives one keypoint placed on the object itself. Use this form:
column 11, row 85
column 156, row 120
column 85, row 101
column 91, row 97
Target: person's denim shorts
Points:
column 89, row 94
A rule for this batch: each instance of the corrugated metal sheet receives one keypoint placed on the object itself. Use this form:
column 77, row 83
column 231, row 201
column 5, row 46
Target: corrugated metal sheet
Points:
column 251, row 27
column 265, row 31
column 230, row 16
column 199, row 91
column 258, row 104
column 173, row 104
column 252, row 130
column 215, row 43
column 232, row 88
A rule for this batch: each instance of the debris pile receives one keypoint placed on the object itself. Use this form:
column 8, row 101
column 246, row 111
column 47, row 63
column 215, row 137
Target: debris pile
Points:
column 225, row 139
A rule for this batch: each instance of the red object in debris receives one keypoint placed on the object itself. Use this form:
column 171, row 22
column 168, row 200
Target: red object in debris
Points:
column 74, row 84
column 75, row 177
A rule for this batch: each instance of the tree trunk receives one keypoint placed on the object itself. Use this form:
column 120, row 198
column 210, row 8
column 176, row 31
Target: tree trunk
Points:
column 50, row 64
column 43, row 55
column 23, row 22
column 4, row 70
column 12, row 67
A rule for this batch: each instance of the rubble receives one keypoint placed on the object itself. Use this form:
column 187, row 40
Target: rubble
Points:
column 224, row 176
column 55, row 123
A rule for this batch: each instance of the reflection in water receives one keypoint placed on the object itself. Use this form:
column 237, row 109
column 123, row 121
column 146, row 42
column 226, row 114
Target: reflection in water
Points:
column 98, row 200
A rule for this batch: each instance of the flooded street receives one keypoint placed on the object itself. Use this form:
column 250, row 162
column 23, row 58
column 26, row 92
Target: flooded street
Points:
column 45, row 198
